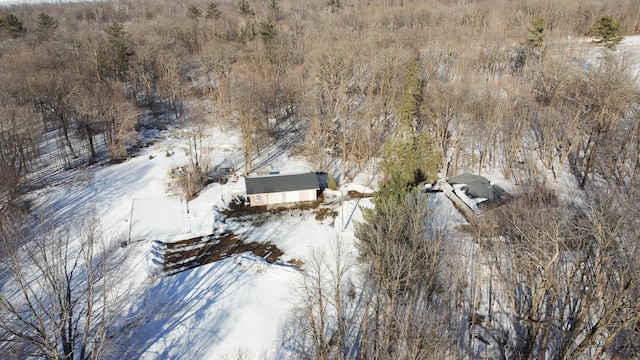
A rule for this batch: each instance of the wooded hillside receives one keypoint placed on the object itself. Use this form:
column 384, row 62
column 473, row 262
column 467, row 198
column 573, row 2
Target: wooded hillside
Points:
column 499, row 84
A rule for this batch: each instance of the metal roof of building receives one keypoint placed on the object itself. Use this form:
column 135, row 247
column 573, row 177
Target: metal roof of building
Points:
column 264, row 184
column 477, row 186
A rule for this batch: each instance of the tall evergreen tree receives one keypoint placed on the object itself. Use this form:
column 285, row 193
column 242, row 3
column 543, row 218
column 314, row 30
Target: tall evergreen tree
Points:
column 113, row 60
column 410, row 156
column 608, row 31
column 408, row 110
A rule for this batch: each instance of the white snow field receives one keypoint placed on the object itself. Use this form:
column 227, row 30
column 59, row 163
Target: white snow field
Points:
column 237, row 305
column 169, row 217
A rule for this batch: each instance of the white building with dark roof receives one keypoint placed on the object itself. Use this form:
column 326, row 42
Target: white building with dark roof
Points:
column 281, row 188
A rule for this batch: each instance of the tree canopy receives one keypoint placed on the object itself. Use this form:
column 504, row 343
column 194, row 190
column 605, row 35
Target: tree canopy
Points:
column 608, row 31
column 12, row 25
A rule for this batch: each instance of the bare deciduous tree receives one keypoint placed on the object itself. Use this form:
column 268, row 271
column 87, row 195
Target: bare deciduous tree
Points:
column 567, row 277
column 603, row 97
column 19, row 136
column 243, row 95
column 327, row 310
column 63, row 298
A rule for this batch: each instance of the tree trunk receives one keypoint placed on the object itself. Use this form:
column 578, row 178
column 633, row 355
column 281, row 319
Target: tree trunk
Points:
column 65, row 133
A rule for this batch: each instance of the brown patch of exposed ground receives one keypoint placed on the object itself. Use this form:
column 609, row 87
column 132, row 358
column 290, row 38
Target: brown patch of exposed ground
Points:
column 240, row 210
column 260, row 214
column 326, row 213
column 191, row 253
column 197, row 251
column 356, row 194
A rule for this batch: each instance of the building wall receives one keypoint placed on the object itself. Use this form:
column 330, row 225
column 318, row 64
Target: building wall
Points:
column 282, row 197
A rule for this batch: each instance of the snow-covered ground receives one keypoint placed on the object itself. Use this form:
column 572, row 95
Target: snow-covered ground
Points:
column 236, row 305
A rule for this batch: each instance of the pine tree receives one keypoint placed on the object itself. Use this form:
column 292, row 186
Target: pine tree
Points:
column 397, row 228
column 608, row 30
column 193, row 12
column 334, row 5
column 247, row 33
column 410, row 156
column 212, row 11
column 45, row 24
column 273, row 5
column 537, row 32
column 408, row 110
column 331, row 183
column 114, row 60
column 267, row 31
column 12, row 25
column 244, row 8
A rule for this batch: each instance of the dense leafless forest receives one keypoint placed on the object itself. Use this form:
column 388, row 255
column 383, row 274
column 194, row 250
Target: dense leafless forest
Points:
column 86, row 78
column 437, row 86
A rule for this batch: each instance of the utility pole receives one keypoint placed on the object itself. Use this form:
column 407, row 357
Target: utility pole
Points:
column 342, row 209
column 130, row 222
column 189, row 189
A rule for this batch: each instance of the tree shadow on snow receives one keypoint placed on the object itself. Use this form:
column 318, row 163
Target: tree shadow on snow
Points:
column 181, row 317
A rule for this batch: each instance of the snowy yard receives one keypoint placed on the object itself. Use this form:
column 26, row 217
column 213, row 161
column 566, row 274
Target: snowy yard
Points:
column 236, row 304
